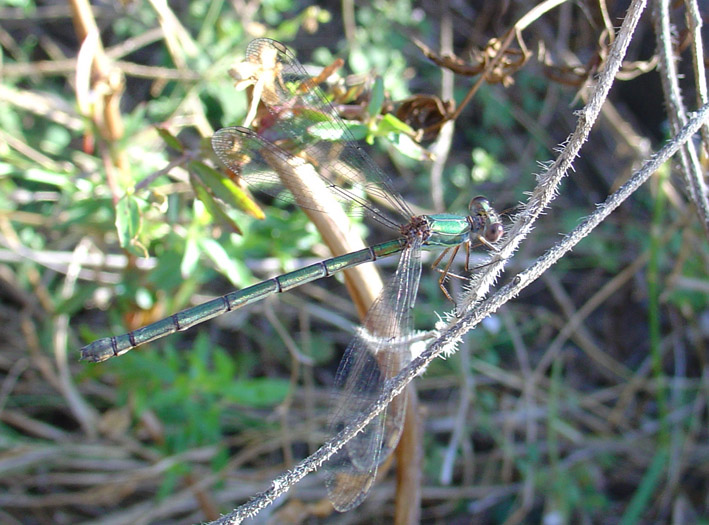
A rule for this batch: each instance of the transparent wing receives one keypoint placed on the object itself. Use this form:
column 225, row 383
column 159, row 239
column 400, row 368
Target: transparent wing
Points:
column 269, row 168
column 301, row 113
column 377, row 353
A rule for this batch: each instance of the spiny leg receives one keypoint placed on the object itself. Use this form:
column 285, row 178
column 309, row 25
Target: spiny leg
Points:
column 439, row 258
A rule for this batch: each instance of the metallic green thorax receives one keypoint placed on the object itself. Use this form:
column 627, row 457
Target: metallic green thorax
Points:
column 447, row 230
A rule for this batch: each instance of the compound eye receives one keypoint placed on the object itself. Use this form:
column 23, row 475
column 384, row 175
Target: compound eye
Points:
column 478, row 204
column 494, row 232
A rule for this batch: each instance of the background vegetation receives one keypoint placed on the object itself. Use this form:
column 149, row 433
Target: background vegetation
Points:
column 583, row 400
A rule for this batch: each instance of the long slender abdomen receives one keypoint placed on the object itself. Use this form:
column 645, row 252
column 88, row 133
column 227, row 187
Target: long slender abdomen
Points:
column 108, row 347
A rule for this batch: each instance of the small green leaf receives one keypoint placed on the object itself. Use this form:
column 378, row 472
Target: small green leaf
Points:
column 129, row 224
column 330, row 132
column 170, row 139
column 406, row 146
column 235, row 271
column 390, row 124
column 377, row 98
column 213, row 206
column 226, row 190
column 46, row 177
column 224, row 366
column 190, row 257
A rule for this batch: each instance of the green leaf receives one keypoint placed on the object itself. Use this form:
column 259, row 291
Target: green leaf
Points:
column 389, row 123
column 213, row 207
column 226, row 190
column 377, row 98
column 170, row 139
column 406, row 146
column 236, row 272
column 328, row 131
column 46, row 177
column 129, row 223
column 191, row 256
column 224, row 366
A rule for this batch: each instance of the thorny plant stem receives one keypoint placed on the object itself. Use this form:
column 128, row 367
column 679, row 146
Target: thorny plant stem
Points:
column 694, row 23
column 692, row 172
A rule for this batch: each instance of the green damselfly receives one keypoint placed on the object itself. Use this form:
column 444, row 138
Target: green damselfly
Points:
column 302, row 120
